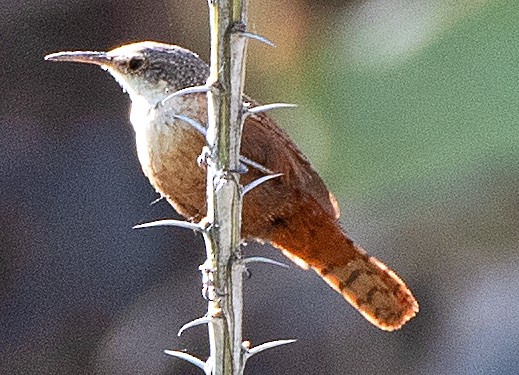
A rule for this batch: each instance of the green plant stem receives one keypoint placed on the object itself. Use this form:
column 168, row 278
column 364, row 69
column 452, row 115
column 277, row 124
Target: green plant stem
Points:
column 223, row 268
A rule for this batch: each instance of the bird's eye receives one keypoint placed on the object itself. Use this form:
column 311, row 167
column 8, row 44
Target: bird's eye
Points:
column 136, row 63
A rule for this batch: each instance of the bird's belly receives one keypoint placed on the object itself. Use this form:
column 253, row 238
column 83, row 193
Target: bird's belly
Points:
column 168, row 155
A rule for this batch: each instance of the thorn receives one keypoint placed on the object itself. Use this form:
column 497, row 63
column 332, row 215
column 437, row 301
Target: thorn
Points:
column 157, row 200
column 194, row 323
column 195, row 124
column 268, row 107
column 264, row 260
column 257, row 37
column 172, row 223
column 268, row 345
column 187, row 90
column 188, row 357
column 253, row 164
column 242, row 169
column 259, row 181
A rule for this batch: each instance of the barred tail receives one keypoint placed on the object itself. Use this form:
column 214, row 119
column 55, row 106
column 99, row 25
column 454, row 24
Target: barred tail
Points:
column 373, row 289
column 317, row 241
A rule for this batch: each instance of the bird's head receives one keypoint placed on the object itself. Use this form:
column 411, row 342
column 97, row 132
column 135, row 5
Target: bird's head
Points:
column 146, row 70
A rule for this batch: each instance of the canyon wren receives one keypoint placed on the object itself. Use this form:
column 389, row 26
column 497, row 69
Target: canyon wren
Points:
column 295, row 212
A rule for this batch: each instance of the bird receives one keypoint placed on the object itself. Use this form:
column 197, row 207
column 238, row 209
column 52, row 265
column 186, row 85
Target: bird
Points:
column 295, row 213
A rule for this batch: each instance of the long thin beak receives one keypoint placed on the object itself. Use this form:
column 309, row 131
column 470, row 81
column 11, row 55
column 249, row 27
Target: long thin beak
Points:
column 86, row 57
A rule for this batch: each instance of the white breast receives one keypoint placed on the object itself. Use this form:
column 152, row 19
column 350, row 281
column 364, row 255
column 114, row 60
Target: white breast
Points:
column 142, row 117
column 156, row 131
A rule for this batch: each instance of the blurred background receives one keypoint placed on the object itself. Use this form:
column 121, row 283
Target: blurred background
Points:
column 407, row 108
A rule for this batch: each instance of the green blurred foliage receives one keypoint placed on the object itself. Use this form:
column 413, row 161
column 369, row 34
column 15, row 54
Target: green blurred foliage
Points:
column 433, row 115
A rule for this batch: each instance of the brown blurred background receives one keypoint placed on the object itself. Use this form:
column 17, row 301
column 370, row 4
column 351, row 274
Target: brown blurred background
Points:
column 408, row 109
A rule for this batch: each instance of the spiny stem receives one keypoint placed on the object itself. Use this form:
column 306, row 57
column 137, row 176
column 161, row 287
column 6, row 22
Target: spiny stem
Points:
column 223, row 275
